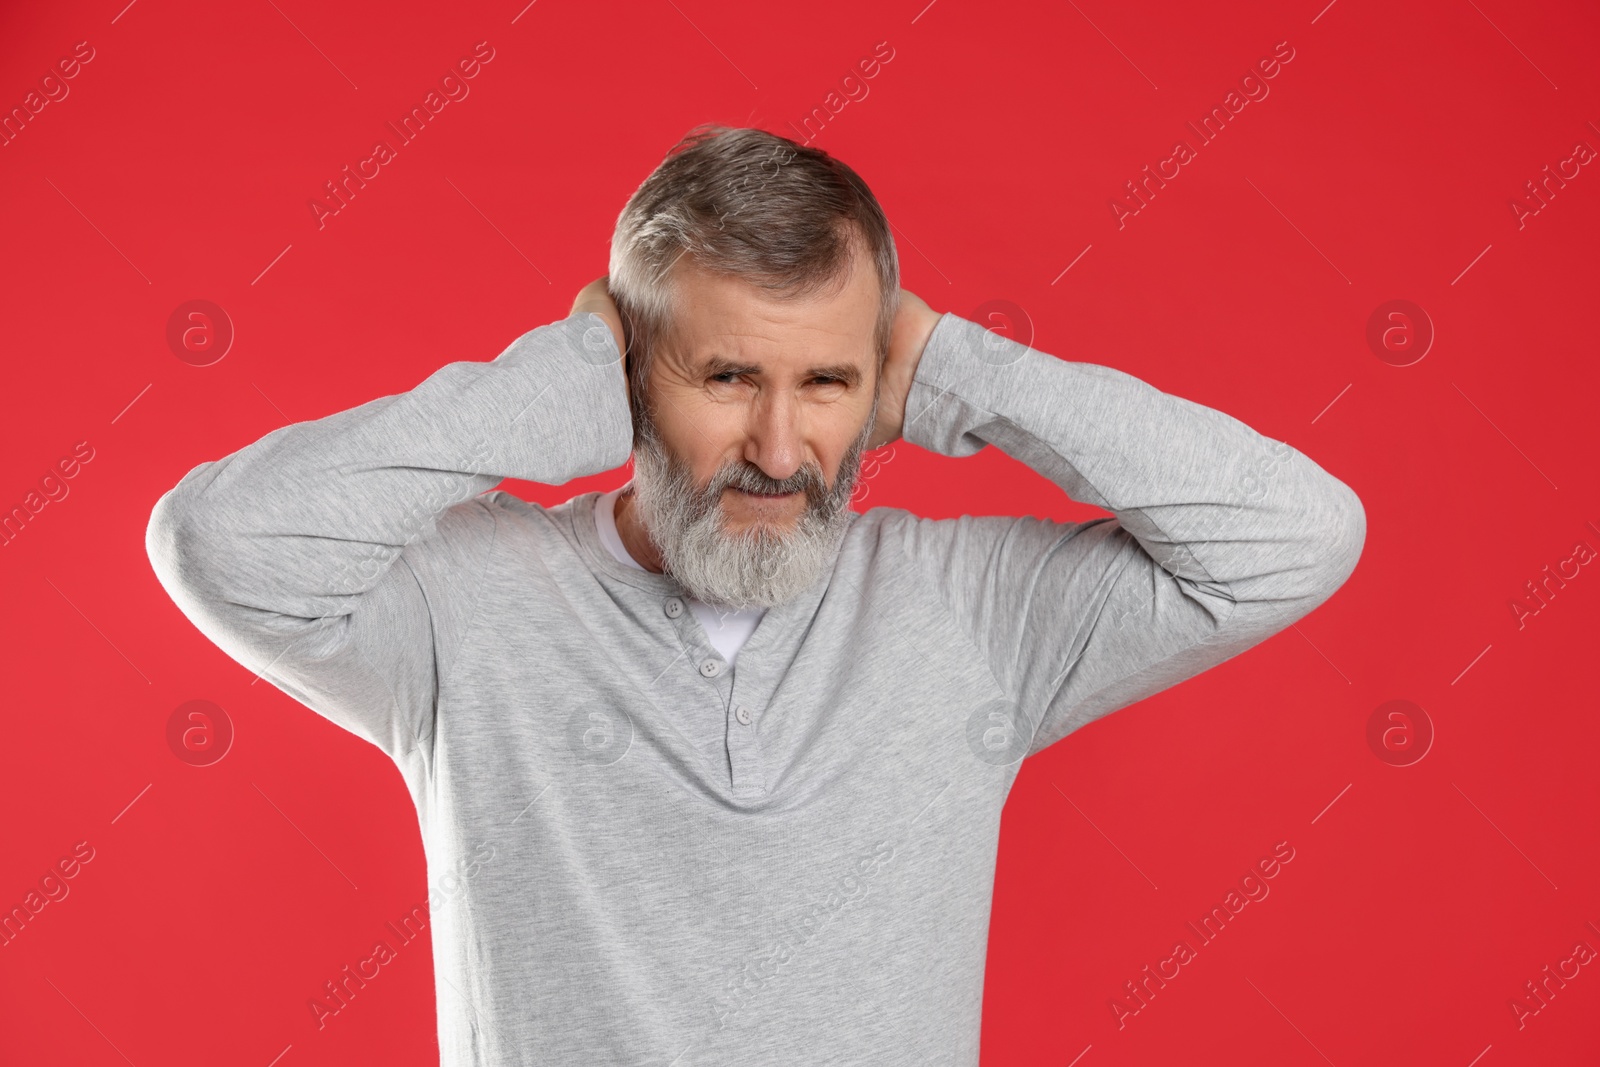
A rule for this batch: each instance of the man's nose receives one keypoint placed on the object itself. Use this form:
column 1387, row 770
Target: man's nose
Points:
column 774, row 437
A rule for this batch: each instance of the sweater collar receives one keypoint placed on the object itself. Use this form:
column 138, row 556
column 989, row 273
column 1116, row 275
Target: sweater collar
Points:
column 600, row 559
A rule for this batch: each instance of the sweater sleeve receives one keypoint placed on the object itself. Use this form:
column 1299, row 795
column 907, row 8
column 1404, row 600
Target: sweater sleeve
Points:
column 340, row 559
column 1221, row 537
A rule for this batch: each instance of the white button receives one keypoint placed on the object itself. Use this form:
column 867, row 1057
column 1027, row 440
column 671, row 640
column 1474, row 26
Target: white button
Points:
column 674, row 608
column 710, row 668
column 743, row 715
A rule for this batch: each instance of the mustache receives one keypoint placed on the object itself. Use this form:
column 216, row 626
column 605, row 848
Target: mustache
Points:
column 754, row 480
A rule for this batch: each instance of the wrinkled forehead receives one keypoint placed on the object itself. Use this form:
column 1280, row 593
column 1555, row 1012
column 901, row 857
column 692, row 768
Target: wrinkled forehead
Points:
column 726, row 317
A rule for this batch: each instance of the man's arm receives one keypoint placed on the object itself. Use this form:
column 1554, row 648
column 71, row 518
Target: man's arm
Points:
column 341, row 558
column 1221, row 536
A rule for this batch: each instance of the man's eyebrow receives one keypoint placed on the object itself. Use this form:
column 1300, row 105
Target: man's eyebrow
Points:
column 712, row 366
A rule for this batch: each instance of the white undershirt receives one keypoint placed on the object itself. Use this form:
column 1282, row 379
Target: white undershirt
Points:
column 727, row 630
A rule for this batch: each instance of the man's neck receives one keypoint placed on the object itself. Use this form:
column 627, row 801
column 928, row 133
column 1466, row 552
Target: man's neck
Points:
column 633, row 535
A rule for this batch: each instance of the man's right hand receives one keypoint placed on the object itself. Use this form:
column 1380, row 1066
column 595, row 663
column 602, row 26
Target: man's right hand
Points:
column 596, row 297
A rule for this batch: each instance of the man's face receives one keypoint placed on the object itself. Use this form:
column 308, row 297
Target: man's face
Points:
column 760, row 410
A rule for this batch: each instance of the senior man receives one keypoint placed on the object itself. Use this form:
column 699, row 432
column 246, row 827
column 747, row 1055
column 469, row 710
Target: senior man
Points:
column 709, row 769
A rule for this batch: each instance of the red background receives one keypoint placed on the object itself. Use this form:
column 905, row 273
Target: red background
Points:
column 1381, row 166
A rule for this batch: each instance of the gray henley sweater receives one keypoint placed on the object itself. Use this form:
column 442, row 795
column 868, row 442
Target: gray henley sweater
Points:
column 639, row 855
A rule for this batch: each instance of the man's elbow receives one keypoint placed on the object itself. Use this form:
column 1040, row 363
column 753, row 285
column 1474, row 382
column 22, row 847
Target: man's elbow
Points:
column 1346, row 537
column 178, row 548
column 164, row 540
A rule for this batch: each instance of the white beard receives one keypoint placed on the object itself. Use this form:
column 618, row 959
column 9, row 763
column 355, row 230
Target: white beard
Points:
column 760, row 566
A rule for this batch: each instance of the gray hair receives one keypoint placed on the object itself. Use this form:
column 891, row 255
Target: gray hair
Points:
column 743, row 202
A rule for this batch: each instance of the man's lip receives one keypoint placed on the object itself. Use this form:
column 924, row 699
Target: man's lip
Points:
column 766, row 496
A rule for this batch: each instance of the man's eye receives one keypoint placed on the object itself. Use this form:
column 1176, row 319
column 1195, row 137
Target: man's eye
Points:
column 726, row 376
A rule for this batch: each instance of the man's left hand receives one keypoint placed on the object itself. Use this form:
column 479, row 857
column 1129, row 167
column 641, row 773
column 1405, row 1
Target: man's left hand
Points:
column 913, row 324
